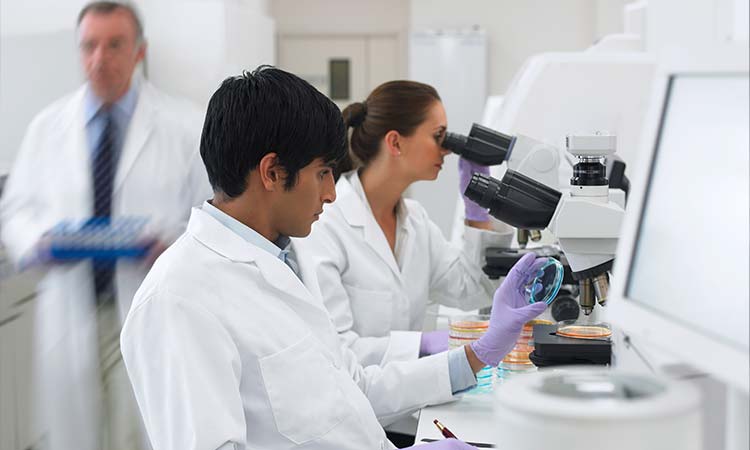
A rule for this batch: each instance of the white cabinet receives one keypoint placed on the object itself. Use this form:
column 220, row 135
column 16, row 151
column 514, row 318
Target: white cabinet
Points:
column 16, row 332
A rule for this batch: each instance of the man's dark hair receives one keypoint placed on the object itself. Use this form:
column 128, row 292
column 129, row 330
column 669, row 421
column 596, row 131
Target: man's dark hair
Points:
column 268, row 111
column 110, row 7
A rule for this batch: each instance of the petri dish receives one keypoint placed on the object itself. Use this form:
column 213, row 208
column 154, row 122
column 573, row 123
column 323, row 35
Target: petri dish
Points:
column 546, row 284
column 516, row 366
column 599, row 331
column 465, row 329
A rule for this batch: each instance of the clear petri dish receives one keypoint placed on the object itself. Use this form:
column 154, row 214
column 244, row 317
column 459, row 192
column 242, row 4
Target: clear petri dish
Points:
column 546, row 284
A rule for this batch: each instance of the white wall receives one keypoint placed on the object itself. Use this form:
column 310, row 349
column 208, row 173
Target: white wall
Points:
column 38, row 16
column 38, row 64
column 195, row 44
column 340, row 16
column 516, row 29
column 710, row 34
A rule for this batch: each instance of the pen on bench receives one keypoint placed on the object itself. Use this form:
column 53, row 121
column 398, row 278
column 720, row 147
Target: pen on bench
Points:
column 446, row 432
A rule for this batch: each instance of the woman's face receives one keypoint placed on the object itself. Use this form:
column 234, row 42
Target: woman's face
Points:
column 421, row 153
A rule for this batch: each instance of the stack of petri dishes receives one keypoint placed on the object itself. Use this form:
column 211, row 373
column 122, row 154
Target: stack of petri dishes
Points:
column 517, row 360
column 463, row 330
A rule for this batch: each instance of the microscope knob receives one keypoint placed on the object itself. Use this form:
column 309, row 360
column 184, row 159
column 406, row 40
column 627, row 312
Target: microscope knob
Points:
column 565, row 308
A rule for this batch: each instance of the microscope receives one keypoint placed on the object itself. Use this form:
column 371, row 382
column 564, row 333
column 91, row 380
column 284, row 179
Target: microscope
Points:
column 583, row 218
column 534, row 159
column 586, row 223
column 525, row 155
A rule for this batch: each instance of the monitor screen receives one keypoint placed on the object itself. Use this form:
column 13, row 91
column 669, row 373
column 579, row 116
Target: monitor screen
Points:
column 690, row 260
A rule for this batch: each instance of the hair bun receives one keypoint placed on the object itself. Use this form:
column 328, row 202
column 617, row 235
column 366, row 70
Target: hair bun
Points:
column 357, row 114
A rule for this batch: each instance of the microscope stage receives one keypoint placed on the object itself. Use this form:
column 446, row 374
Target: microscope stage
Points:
column 553, row 350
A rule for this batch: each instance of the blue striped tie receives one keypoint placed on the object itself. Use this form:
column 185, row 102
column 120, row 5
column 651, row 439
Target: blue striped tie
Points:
column 103, row 173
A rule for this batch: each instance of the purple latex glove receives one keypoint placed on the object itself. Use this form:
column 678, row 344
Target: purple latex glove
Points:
column 433, row 342
column 444, row 444
column 39, row 255
column 510, row 311
column 466, row 169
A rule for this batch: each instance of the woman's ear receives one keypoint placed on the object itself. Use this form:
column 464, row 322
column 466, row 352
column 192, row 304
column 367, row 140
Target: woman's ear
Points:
column 270, row 172
column 393, row 143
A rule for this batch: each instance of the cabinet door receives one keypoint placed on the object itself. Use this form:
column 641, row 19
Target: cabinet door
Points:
column 345, row 68
column 7, row 400
column 23, row 334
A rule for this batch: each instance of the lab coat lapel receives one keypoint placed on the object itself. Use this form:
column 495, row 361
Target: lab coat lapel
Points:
column 291, row 290
column 75, row 162
column 223, row 241
column 358, row 215
column 139, row 131
column 408, row 243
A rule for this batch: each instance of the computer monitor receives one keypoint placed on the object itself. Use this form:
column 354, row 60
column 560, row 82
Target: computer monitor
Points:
column 681, row 274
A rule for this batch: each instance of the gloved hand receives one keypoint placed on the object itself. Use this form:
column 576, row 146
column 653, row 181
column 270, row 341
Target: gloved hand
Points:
column 510, row 311
column 466, row 169
column 443, row 444
column 39, row 255
column 433, row 342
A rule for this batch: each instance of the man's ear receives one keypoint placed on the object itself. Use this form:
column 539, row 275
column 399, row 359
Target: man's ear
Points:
column 393, row 143
column 141, row 51
column 270, row 171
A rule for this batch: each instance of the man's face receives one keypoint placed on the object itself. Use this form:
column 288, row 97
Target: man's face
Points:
column 110, row 51
column 303, row 204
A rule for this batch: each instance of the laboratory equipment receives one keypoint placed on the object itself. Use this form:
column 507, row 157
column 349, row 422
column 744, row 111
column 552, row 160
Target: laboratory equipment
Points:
column 488, row 147
column 688, row 317
column 588, row 408
column 546, row 284
column 675, row 325
column 554, row 349
column 584, row 219
column 99, row 238
column 500, row 260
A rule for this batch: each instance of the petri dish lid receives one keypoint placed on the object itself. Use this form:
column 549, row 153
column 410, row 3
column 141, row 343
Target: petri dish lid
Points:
column 546, row 284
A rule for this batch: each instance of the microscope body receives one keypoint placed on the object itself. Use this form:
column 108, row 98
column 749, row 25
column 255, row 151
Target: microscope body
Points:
column 535, row 159
column 587, row 227
column 587, row 222
column 583, row 218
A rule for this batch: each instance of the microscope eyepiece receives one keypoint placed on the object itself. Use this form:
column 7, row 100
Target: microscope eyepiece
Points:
column 496, row 138
column 483, row 145
column 455, row 142
column 517, row 200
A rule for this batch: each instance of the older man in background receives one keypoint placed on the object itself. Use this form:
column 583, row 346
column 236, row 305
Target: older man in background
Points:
column 115, row 148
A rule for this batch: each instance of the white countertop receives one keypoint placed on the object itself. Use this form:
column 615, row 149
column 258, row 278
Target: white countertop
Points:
column 470, row 418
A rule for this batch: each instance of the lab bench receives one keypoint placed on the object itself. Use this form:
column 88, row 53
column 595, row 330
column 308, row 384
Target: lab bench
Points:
column 470, row 418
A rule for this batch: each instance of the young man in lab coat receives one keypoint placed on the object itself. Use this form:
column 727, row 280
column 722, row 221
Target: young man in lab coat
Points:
column 116, row 147
column 225, row 346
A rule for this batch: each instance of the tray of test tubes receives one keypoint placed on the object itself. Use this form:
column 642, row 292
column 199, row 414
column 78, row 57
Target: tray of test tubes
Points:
column 100, row 238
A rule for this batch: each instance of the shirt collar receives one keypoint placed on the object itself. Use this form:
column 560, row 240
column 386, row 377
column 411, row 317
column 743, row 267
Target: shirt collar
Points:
column 279, row 249
column 124, row 106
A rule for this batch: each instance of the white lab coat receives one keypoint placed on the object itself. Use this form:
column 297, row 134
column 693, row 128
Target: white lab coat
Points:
column 225, row 344
column 159, row 175
column 377, row 304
